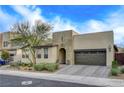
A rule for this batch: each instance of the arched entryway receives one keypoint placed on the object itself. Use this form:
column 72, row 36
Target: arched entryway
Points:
column 62, row 56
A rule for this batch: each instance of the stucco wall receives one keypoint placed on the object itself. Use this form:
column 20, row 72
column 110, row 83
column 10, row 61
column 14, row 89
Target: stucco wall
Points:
column 98, row 40
column 0, row 40
column 120, row 50
column 6, row 37
column 18, row 55
column 52, row 55
column 64, row 40
column 0, row 54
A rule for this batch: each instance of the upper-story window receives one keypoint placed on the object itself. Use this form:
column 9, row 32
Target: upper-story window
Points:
column 5, row 43
column 45, row 52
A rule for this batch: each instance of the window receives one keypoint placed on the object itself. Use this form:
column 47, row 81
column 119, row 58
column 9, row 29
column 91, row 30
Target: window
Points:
column 11, row 54
column 27, row 56
column 5, row 43
column 23, row 56
column 25, row 53
column 45, row 52
column 38, row 55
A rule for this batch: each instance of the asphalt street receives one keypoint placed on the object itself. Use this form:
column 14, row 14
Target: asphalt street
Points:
column 16, row 81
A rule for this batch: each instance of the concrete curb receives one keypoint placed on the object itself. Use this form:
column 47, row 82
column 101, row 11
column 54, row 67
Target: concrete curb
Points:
column 67, row 78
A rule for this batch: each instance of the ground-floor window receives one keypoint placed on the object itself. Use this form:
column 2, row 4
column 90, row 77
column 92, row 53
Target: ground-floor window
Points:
column 38, row 55
column 45, row 52
column 25, row 54
column 11, row 54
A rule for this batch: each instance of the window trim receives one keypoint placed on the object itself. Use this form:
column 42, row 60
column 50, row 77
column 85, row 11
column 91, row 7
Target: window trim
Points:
column 46, row 53
column 5, row 43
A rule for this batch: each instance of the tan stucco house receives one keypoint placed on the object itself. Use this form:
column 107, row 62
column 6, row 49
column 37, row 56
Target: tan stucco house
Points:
column 5, row 43
column 70, row 47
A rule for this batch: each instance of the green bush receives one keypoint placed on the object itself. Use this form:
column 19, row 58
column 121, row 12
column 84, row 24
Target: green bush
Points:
column 114, row 64
column 19, row 63
column 30, row 64
column 26, row 64
column 46, row 66
column 51, row 66
column 15, row 64
column 114, row 71
column 122, row 70
column 39, row 67
column 5, row 54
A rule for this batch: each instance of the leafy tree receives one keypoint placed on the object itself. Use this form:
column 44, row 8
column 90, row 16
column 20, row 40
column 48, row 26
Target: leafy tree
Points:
column 29, row 36
column 5, row 54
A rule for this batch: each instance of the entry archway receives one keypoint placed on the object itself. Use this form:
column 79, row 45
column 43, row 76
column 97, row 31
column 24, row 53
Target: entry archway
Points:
column 62, row 56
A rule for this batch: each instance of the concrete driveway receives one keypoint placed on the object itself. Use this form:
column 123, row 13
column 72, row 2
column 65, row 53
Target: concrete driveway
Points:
column 85, row 70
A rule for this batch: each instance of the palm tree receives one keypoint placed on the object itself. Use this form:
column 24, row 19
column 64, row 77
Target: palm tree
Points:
column 28, row 35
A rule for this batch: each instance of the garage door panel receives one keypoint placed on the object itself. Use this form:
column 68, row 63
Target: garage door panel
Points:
column 91, row 57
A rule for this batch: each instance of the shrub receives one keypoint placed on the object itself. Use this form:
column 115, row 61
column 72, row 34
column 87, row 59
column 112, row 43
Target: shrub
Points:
column 19, row 63
column 46, row 66
column 5, row 55
column 51, row 66
column 30, row 64
column 39, row 67
column 114, row 71
column 114, row 64
column 15, row 64
column 122, row 70
column 23, row 64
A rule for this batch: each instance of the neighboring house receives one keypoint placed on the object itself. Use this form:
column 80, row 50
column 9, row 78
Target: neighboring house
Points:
column 69, row 47
column 5, row 43
column 120, row 50
column 119, row 55
column 0, row 40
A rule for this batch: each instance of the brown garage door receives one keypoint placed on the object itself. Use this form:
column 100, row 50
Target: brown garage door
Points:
column 91, row 57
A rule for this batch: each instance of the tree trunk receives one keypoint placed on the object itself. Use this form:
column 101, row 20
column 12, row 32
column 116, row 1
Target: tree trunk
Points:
column 33, row 56
column 34, row 59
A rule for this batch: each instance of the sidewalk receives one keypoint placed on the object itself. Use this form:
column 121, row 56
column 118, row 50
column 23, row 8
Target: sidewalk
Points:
column 67, row 78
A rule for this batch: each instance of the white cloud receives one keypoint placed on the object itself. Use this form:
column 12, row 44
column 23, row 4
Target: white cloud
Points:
column 31, row 14
column 61, row 24
column 33, row 7
column 119, row 35
column 6, row 20
column 114, row 21
column 93, row 26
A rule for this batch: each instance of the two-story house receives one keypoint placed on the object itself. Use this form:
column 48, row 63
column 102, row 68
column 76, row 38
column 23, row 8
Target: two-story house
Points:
column 6, row 44
column 68, row 47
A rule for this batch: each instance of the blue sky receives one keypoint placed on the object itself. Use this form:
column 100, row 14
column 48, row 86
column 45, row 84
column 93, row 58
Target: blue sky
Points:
column 83, row 18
